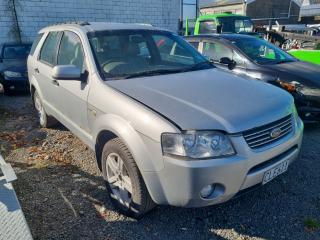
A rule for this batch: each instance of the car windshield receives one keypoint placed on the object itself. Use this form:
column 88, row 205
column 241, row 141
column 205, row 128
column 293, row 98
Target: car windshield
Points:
column 16, row 51
column 262, row 52
column 132, row 53
column 235, row 24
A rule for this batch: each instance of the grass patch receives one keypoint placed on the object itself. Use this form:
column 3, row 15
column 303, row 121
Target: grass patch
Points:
column 311, row 224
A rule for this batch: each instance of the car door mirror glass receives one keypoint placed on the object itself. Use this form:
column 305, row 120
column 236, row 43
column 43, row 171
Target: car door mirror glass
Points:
column 66, row 72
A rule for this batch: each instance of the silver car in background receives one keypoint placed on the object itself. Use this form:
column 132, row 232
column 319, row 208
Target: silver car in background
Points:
column 167, row 126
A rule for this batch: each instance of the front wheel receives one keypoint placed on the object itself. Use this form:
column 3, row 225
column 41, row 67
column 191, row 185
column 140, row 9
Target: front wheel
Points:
column 44, row 120
column 124, row 182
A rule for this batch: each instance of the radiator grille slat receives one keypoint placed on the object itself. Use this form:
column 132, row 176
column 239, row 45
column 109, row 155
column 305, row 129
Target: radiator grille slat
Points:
column 261, row 136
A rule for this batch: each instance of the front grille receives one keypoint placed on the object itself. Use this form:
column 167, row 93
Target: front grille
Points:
column 267, row 134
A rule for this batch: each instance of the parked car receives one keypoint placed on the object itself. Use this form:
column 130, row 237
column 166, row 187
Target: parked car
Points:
column 166, row 125
column 259, row 59
column 13, row 66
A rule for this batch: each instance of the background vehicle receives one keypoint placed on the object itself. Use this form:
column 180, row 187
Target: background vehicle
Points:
column 261, row 60
column 13, row 66
column 157, row 115
column 221, row 23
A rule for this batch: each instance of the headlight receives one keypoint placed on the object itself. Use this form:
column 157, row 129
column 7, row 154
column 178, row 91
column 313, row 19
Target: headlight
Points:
column 289, row 86
column 12, row 74
column 197, row 145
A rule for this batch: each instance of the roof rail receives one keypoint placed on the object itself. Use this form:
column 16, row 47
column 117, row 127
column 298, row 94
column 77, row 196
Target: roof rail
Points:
column 80, row 23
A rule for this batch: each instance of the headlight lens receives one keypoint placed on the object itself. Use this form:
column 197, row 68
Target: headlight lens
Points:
column 12, row 74
column 197, row 145
column 289, row 86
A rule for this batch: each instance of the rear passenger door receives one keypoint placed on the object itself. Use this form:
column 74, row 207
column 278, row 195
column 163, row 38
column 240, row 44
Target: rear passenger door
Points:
column 73, row 93
column 43, row 70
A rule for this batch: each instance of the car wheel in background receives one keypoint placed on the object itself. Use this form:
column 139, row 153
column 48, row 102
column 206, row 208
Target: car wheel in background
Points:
column 44, row 120
column 124, row 182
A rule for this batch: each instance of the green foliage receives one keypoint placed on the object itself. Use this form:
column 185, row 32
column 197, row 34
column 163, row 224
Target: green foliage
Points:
column 311, row 224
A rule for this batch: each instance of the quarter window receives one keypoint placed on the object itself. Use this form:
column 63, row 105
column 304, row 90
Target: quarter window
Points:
column 48, row 51
column 70, row 52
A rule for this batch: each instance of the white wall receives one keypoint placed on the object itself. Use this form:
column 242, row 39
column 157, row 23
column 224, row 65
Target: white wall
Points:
column 35, row 14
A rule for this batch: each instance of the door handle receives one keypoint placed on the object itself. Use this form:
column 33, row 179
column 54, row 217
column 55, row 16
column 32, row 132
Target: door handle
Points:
column 55, row 82
column 36, row 70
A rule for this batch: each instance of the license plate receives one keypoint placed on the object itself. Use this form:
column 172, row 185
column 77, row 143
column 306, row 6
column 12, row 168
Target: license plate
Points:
column 275, row 172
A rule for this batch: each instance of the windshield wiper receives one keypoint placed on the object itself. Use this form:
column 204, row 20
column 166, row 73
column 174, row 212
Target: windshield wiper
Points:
column 284, row 61
column 194, row 67
column 199, row 66
column 151, row 73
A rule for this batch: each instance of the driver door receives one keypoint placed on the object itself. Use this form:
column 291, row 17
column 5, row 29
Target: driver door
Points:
column 73, row 94
column 215, row 51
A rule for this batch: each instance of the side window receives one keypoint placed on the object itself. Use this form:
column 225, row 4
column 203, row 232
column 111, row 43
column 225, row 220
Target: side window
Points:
column 170, row 51
column 48, row 51
column 35, row 43
column 195, row 45
column 216, row 51
column 207, row 27
column 70, row 51
column 239, row 60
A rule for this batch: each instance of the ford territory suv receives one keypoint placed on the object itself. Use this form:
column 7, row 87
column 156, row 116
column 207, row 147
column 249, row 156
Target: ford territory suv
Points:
column 166, row 125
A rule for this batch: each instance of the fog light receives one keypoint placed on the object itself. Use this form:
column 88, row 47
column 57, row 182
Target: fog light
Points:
column 207, row 191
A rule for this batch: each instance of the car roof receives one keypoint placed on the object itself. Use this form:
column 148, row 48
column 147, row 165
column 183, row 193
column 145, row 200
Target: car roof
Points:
column 227, row 36
column 99, row 26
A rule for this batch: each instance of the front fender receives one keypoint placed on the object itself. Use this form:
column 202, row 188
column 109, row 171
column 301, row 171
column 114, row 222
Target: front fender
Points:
column 146, row 151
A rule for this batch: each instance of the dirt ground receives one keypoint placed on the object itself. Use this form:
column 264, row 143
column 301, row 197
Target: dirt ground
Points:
column 63, row 196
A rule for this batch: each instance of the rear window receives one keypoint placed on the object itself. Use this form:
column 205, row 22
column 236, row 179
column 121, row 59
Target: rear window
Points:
column 35, row 43
column 49, row 48
column 16, row 51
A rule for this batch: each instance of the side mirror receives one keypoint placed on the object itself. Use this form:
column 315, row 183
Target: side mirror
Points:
column 227, row 61
column 66, row 72
column 219, row 29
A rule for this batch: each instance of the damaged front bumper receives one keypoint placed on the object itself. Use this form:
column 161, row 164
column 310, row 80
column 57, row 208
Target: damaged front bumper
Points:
column 307, row 101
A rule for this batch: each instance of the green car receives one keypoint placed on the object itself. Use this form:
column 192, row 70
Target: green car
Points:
column 312, row 56
column 222, row 23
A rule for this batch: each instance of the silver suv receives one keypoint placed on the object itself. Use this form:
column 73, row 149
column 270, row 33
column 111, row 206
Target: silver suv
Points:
column 167, row 126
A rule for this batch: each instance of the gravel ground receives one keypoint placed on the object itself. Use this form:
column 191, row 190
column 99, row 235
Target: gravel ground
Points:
column 63, row 196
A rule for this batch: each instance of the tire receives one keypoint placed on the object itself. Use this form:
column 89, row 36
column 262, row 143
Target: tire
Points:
column 45, row 121
column 132, row 204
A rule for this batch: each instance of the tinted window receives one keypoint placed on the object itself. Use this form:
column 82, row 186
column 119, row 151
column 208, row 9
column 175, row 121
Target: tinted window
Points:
column 216, row 51
column 261, row 51
column 48, row 51
column 207, row 27
column 16, row 51
column 35, row 43
column 195, row 44
column 70, row 52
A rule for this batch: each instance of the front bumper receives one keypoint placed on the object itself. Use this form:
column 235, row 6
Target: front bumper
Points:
column 308, row 106
column 180, row 182
column 16, row 84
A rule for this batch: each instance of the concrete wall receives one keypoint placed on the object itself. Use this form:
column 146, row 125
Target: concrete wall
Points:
column 35, row 14
column 234, row 8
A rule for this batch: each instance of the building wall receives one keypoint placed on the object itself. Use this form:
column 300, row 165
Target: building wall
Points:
column 235, row 8
column 35, row 14
column 273, row 9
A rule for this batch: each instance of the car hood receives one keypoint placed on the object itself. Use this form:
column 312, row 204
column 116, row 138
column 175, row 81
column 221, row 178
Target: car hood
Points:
column 209, row 99
column 9, row 63
column 307, row 74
